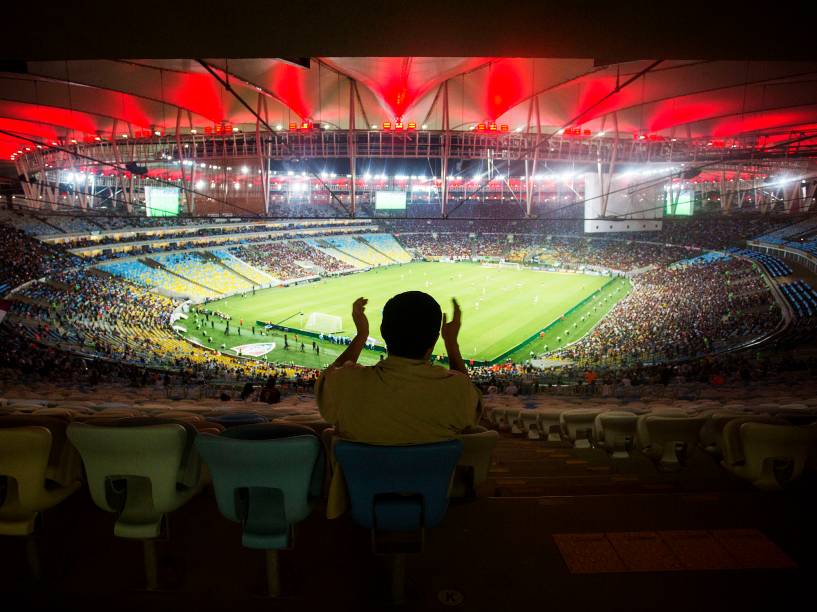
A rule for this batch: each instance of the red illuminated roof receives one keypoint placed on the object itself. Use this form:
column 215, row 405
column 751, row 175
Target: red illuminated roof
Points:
column 675, row 99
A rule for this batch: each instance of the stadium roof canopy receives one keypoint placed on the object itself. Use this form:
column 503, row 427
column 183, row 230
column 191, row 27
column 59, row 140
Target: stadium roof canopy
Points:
column 684, row 99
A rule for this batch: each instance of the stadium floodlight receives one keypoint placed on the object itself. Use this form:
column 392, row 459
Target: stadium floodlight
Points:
column 244, row 170
column 290, row 173
column 367, row 176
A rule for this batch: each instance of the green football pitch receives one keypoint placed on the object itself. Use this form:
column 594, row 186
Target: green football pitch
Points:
column 502, row 308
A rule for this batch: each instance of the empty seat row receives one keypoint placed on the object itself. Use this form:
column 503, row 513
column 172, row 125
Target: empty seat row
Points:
column 668, row 434
column 266, row 475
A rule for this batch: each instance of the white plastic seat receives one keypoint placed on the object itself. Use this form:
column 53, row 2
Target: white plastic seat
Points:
column 712, row 431
column 475, row 461
column 642, row 437
column 529, row 423
column 774, row 454
column 615, row 430
column 663, row 436
column 577, row 425
column 550, row 423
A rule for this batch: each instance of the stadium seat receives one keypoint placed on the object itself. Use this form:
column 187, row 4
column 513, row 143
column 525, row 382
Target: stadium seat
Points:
column 775, row 454
column 615, row 430
column 550, row 423
column 528, row 421
column 38, row 469
column 577, row 425
column 731, row 445
column 475, row 461
column 140, row 469
column 266, row 477
column 670, row 439
column 398, row 488
column 712, row 431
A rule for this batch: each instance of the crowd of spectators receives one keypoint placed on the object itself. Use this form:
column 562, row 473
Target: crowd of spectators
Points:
column 677, row 312
column 672, row 312
column 276, row 258
column 101, row 315
column 23, row 258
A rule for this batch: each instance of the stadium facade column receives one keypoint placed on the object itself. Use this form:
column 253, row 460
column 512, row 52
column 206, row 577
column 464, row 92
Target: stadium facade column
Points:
column 118, row 159
column 263, row 159
column 31, row 193
column 350, row 144
column 530, row 171
column 811, row 192
column 446, row 149
column 724, row 205
column 187, row 182
column 605, row 189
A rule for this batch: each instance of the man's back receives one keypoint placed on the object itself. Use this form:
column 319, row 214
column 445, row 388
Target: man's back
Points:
column 397, row 401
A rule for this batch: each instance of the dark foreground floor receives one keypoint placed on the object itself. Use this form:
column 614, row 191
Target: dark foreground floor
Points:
column 555, row 528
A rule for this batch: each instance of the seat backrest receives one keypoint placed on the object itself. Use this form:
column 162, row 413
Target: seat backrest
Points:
column 476, row 452
column 762, row 441
column 24, row 455
column 731, row 442
column 152, row 452
column 265, row 477
column 55, row 425
column 662, row 429
column 398, row 488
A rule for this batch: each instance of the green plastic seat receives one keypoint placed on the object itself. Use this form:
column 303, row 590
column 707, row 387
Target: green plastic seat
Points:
column 26, row 470
column 266, row 477
column 140, row 469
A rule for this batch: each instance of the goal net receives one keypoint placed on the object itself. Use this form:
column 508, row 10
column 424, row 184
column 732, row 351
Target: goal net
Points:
column 324, row 323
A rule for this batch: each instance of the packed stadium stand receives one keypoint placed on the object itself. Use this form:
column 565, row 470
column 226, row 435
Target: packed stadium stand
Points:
column 206, row 401
column 154, row 277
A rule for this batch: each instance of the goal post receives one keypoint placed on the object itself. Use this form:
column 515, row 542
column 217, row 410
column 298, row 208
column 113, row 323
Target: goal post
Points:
column 324, row 323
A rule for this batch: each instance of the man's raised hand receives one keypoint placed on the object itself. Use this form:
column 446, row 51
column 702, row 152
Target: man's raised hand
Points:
column 451, row 330
column 359, row 317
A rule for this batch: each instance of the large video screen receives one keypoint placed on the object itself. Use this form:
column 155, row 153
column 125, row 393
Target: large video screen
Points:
column 634, row 204
column 162, row 201
column 390, row 200
column 680, row 204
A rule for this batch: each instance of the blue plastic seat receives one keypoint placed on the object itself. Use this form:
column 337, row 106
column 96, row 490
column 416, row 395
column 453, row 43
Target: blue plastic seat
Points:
column 398, row 488
column 266, row 477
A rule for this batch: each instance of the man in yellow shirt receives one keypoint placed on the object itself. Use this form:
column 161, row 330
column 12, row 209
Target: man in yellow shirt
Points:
column 403, row 399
